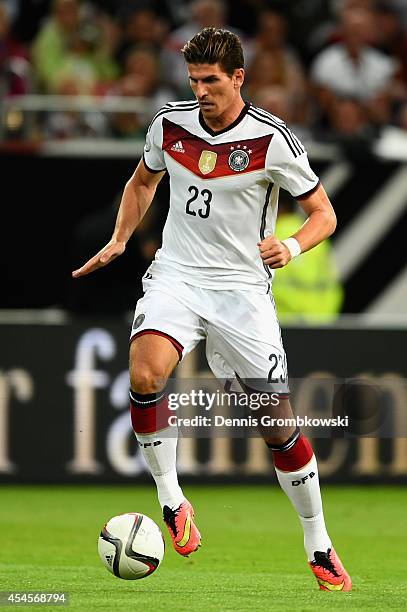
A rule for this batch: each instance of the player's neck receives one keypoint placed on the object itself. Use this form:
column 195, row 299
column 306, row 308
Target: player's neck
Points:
column 227, row 118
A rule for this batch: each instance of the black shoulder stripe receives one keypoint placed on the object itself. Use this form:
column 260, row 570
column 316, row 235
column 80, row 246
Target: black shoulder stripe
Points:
column 165, row 110
column 166, row 106
column 171, row 105
column 276, row 127
column 181, row 106
column 270, row 116
column 282, row 126
column 273, row 118
column 294, row 140
column 298, row 141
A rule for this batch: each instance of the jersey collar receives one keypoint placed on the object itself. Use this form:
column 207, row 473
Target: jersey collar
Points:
column 229, row 127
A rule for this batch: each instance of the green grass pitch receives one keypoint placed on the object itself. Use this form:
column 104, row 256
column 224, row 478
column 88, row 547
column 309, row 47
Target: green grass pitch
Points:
column 251, row 556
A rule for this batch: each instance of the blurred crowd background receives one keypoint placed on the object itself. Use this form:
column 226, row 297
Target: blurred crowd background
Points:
column 334, row 70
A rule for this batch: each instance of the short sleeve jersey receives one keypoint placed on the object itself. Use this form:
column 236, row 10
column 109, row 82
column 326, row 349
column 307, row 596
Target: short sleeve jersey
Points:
column 224, row 190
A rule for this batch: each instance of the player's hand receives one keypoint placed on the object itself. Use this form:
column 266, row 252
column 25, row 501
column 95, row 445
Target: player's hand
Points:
column 273, row 252
column 112, row 250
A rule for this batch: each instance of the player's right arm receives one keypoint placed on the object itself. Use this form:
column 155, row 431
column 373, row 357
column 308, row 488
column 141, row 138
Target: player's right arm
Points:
column 137, row 197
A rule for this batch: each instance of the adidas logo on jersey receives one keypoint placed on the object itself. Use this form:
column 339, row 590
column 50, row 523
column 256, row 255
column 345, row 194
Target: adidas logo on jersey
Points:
column 177, row 147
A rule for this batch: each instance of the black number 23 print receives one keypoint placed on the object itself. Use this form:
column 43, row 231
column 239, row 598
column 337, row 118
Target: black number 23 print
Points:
column 204, row 201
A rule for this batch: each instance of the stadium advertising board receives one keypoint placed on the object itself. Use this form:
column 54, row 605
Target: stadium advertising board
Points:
column 64, row 407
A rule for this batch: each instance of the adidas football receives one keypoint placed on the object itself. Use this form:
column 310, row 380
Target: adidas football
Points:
column 131, row 546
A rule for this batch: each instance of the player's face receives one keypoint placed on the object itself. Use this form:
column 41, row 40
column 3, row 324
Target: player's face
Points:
column 215, row 90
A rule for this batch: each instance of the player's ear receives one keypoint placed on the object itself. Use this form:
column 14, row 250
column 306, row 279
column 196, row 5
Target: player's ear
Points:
column 238, row 77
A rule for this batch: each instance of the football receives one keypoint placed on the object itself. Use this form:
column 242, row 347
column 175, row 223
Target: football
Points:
column 131, row 546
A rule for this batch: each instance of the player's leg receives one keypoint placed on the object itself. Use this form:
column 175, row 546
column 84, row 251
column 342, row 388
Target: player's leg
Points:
column 152, row 359
column 162, row 330
column 258, row 357
column 297, row 472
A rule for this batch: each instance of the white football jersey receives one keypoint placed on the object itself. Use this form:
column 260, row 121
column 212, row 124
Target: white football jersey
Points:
column 224, row 192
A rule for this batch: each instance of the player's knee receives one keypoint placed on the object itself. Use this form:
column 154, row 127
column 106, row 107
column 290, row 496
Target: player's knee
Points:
column 144, row 380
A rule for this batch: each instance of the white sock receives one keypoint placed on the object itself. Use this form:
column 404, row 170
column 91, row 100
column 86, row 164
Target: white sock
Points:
column 315, row 535
column 160, row 453
column 302, row 488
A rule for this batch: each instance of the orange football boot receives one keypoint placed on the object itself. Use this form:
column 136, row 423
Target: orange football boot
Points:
column 329, row 571
column 185, row 536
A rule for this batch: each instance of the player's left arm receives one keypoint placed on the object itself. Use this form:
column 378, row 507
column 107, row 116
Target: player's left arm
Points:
column 319, row 225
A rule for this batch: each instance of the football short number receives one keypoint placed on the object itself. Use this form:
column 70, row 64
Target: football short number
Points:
column 205, row 196
column 275, row 360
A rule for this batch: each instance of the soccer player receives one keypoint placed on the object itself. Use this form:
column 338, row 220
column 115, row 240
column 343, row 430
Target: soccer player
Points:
column 212, row 277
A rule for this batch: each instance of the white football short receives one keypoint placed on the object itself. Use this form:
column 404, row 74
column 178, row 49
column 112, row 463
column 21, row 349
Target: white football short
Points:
column 243, row 338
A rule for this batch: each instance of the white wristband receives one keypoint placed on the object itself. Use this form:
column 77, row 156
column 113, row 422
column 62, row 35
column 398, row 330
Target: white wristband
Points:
column 293, row 246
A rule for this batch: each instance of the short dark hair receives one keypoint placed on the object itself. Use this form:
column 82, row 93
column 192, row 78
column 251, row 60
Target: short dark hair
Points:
column 215, row 46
